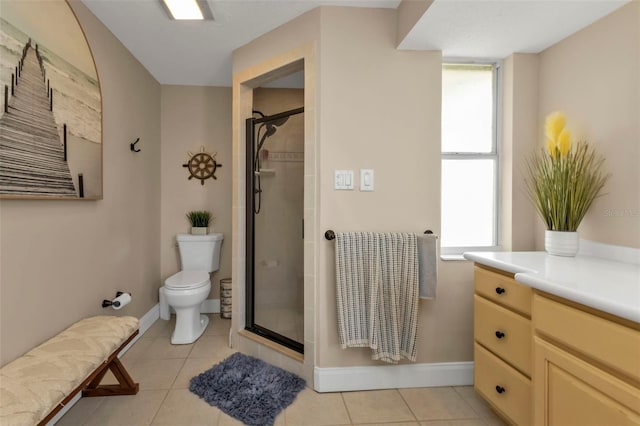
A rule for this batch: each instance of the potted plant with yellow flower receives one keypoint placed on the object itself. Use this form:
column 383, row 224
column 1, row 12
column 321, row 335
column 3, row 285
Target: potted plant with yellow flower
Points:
column 563, row 181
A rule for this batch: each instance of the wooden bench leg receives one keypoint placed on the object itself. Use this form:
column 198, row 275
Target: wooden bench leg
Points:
column 126, row 384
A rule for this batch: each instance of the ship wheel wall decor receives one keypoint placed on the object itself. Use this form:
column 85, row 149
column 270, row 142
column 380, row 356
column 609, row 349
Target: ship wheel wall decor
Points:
column 202, row 165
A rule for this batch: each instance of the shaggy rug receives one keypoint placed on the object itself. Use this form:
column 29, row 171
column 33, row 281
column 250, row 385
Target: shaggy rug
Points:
column 248, row 389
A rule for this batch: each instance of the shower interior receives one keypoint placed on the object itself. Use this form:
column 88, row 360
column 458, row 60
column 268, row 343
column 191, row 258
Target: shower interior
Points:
column 275, row 245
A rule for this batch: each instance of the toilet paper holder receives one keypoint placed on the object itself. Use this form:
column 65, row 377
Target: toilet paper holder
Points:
column 115, row 303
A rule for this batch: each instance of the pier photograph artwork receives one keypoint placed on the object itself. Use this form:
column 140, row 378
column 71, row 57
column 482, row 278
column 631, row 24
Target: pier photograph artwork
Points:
column 51, row 113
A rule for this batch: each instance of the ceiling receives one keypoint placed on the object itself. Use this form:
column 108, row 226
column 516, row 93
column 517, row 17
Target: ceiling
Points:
column 199, row 52
column 496, row 29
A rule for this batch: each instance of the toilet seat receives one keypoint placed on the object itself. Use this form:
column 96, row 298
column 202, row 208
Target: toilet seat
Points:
column 187, row 280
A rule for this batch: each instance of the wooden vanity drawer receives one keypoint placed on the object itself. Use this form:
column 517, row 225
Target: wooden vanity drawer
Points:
column 504, row 387
column 504, row 332
column 611, row 344
column 504, row 290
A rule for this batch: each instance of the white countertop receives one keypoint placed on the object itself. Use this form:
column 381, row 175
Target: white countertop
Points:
column 606, row 285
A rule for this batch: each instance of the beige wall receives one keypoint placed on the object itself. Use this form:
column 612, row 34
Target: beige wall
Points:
column 193, row 117
column 59, row 259
column 295, row 33
column 377, row 108
column 519, row 140
column 380, row 109
column 594, row 77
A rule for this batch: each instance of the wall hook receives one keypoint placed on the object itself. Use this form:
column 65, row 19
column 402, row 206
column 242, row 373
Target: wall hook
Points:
column 133, row 146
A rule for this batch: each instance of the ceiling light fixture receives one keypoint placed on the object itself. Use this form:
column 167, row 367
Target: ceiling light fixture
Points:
column 187, row 9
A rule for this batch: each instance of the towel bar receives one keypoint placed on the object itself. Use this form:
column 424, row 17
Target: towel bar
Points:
column 330, row 235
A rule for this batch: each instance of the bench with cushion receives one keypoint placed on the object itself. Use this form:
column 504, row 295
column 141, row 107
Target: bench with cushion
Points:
column 37, row 385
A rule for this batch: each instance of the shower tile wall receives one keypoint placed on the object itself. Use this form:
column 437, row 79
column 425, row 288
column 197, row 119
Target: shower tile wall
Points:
column 279, row 247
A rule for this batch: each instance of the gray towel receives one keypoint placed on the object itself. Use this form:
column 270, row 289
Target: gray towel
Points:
column 377, row 293
column 428, row 265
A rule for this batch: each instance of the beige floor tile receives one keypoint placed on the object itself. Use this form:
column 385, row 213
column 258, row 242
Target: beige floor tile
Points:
column 313, row 408
column 181, row 407
column 161, row 348
column 192, row 367
column 280, row 420
column 109, row 378
column 155, row 373
column 460, row 406
column 377, row 406
column 134, row 410
column 160, row 328
column 227, row 420
column 81, row 412
column 218, row 326
column 213, row 347
column 479, row 405
column 138, row 349
column 437, row 404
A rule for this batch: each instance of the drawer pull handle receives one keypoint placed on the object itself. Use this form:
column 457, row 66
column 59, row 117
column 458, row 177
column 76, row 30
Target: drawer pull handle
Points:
column 500, row 290
column 499, row 334
column 500, row 389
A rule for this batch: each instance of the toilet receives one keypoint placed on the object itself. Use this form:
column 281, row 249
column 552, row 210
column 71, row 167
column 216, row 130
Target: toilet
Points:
column 186, row 290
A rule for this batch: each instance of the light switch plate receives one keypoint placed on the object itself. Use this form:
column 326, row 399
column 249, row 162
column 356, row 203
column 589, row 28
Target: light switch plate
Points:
column 343, row 180
column 366, row 179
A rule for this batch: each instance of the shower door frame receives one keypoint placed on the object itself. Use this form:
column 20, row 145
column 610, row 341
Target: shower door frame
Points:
column 250, row 187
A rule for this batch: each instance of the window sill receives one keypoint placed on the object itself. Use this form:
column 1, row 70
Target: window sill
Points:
column 448, row 257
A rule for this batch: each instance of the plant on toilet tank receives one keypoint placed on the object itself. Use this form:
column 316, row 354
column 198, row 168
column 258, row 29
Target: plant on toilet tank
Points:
column 200, row 220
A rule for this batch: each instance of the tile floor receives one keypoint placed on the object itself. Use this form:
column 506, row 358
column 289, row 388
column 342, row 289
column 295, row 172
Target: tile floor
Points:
column 164, row 371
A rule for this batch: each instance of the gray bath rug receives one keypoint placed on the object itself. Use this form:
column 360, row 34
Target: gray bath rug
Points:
column 248, row 389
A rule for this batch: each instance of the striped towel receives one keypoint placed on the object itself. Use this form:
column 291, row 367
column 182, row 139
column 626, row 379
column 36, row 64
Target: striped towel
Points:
column 377, row 292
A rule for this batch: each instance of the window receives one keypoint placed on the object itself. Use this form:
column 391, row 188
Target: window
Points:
column 469, row 157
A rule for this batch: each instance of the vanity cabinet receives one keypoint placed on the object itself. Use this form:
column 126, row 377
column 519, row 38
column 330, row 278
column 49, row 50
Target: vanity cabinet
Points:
column 581, row 363
column 586, row 366
column 502, row 347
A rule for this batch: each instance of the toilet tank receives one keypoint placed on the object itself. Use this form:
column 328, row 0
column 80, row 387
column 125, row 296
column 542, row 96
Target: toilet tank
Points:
column 200, row 252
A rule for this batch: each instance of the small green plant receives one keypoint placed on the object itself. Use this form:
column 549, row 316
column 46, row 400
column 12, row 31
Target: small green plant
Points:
column 199, row 218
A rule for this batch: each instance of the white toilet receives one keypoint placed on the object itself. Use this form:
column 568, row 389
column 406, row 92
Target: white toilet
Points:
column 186, row 290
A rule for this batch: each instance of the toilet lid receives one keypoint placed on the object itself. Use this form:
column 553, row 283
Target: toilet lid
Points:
column 186, row 280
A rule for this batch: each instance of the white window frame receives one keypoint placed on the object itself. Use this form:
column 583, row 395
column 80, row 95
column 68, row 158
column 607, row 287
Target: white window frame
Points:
column 455, row 253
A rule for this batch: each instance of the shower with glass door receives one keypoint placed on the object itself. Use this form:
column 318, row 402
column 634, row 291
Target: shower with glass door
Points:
column 274, row 226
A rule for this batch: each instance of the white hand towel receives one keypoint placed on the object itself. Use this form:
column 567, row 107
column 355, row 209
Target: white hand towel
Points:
column 427, row 265
column 377, row 293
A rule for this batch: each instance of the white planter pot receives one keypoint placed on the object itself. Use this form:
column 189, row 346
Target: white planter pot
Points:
column 197, row 230
column 561, row 243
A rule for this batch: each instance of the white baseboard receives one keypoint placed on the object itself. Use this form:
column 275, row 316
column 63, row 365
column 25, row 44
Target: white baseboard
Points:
column 64, row 409
column 146, row 321
column 338, row 379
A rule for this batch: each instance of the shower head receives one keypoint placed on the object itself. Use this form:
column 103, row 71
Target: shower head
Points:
column 271, row 129
column 271, row 125
column 268, row 133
